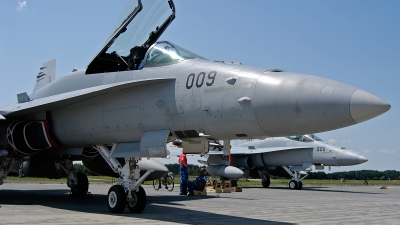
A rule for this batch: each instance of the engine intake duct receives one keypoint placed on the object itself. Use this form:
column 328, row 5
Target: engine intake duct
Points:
column 243, row 162
column 28, row 137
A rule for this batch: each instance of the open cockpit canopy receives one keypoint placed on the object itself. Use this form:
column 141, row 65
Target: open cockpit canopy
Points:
column 139, row 28
column 305, row 138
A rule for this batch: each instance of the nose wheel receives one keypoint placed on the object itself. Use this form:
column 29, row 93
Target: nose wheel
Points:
column 128, row 192
column 138, row 201
column 296, row 182
column 295, row 185
column 300, row 185
column 116, row 199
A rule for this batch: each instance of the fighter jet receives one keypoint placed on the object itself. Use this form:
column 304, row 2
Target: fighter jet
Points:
column 291, row 156
column 138, row 94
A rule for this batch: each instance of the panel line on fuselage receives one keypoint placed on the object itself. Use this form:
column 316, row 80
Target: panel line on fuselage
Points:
column 229, row 88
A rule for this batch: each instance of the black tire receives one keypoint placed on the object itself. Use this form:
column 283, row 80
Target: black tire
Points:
column 170, row 183
column 266, row 181
column 156, row 184
column 293, row 184
column 300, row 185
column 139, row 201
column 116, row 199
column 81, row 189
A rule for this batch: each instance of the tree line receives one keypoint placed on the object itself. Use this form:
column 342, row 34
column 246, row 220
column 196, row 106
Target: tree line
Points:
column 356, row 175
column 80, row 168
column 193, row 170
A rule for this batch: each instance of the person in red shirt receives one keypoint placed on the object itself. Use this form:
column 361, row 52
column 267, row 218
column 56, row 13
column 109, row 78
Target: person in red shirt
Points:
column 184, row 172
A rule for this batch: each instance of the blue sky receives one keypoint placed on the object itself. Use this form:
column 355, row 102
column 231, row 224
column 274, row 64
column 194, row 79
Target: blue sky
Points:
column 354, row 42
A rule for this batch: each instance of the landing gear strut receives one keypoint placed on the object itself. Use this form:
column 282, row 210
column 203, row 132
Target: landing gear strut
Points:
column 128, row 192
column 296, row 182
column 4, row 168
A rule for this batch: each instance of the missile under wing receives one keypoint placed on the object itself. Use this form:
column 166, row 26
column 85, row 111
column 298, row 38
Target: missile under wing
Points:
column 139, row 93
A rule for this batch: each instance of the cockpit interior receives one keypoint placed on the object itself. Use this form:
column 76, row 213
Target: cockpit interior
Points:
column 133, row 42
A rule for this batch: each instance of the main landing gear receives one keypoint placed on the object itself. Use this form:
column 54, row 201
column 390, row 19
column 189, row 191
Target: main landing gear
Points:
column 78, row 182
column 128, row 192
column 265, row 179
column 82, row 187
column 296, row 182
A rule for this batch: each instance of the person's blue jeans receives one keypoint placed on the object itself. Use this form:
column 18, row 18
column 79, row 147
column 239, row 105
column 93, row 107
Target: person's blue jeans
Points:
column 189, row 186
column 184, row 177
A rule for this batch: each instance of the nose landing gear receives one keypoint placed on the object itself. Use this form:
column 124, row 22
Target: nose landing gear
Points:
column 296, row 182
column 128, row 192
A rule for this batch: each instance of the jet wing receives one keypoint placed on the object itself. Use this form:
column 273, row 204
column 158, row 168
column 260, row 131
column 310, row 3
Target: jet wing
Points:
column 61, row 100
column 245, row 151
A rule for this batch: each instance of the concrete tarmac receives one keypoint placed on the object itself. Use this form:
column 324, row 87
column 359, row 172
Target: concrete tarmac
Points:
column 26, row 203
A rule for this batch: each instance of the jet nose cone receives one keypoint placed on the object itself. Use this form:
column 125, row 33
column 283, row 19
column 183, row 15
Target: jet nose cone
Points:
column 365, row 106
column 362, row 159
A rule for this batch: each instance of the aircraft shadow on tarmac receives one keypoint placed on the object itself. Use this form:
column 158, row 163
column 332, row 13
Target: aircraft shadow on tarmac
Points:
column 311, row 188
column 158, row 207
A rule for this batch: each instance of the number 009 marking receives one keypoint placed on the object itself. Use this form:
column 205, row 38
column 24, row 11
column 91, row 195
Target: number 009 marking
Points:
column 200, row 79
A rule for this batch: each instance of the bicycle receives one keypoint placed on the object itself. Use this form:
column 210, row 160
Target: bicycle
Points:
column 167, row 181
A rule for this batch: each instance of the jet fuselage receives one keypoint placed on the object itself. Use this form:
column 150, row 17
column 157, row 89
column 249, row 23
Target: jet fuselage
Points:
column 224, row 101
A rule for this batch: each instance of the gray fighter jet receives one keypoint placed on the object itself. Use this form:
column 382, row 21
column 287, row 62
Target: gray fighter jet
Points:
column 138, row 94
column 283, row 156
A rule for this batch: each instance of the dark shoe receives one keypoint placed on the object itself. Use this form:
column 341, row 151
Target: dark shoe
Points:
column 182, row 193
column 191, row 194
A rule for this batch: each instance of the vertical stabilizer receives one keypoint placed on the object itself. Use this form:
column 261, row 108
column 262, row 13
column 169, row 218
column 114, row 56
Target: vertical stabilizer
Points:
column 46, row 75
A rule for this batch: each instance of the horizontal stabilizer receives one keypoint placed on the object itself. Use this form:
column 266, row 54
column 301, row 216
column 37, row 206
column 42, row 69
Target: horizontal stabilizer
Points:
column 23, row 97
column 54, row 102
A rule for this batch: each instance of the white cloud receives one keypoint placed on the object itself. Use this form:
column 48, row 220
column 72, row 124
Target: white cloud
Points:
column 331, row 141
column 21, row 6
column 387, row 151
